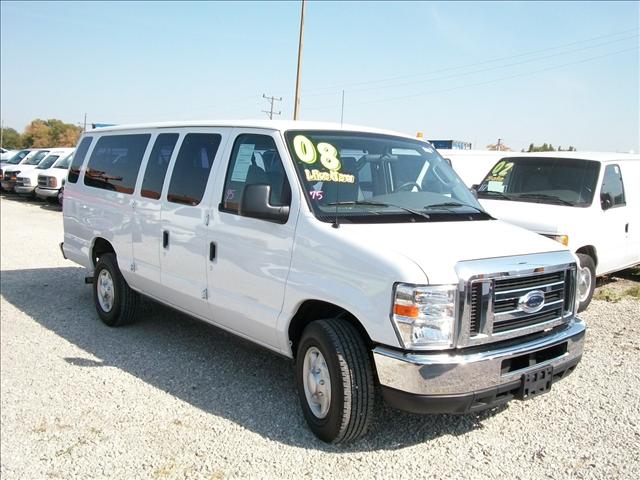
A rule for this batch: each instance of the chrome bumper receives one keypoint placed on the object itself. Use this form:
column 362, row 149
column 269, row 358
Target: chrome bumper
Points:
column 47, row 192
column 22, row 189
column 464, row 373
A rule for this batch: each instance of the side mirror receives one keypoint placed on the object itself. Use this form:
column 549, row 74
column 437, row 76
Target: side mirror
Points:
column 474, row 190
column 255, row 204
column 606, row 202
column 448, row 160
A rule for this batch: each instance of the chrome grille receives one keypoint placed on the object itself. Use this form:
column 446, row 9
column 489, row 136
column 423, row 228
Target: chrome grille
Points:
column 491, row 290
column 42, row 181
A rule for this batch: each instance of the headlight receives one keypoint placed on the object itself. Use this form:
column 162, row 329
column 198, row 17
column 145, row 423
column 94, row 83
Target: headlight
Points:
column 424, row 317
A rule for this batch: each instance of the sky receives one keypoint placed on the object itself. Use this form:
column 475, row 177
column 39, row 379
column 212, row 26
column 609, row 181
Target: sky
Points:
column 554, row 72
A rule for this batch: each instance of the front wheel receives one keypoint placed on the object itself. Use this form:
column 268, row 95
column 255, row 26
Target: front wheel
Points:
column 586, row 281
column 115, row 302
column 335, row 382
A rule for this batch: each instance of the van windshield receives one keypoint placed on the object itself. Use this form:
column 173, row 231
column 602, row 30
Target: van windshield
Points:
column 65, row 162
column 555, row 181
column 17, row 158
column 35, row 160
column 47, row 162
column 374, row 178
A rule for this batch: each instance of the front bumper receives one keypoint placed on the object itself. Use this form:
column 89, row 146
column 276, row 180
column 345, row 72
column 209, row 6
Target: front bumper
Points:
column 461, row 382
column 24, row 189
column 47, row 192
column 7, row 185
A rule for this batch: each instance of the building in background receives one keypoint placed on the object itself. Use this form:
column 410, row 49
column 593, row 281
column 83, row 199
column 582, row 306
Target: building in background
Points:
column 451, row 144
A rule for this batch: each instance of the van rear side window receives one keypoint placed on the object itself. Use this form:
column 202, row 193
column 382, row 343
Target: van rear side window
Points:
column 78, row 159
column 191, row 170
column 115, row 162
column 157, row 165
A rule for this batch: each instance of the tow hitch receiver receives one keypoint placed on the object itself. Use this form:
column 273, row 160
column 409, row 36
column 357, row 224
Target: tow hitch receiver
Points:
column 536, row 382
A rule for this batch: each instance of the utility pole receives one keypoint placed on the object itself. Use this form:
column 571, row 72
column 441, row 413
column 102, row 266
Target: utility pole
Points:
column 499, row 145
column 84, row 128
column 1, row 132
column 270, row 112
column 296, row 104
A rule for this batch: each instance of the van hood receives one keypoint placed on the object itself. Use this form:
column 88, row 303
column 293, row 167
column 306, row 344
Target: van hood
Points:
column 436, row 247
column 537, row 217
column 19, row 168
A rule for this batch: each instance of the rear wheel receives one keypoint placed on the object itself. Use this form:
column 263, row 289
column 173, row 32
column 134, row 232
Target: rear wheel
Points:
column 334, row 376
column 586, row 281
column 116, row 303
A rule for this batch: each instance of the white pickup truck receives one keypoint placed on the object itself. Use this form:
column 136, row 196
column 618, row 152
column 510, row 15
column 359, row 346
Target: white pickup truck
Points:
column 356, row 252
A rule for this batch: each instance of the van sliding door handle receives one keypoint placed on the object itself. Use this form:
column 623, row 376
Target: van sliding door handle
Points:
column 212, row 251
column 165, row 239
column 626, row 228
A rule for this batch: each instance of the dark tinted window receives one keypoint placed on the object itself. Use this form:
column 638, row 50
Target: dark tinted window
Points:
column 115, row 161
column 78, row 159
column 255, row 160
column 192, row 167
column 17, row 158
column 47, row 162
column 613, row 186
column 157, row 165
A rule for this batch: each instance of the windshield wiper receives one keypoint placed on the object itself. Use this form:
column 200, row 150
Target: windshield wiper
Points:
column 544, row 196
column 454, row 204
column 497, row 194
column 381, row 204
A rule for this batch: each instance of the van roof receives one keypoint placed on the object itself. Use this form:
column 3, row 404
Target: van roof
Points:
column 280, row 125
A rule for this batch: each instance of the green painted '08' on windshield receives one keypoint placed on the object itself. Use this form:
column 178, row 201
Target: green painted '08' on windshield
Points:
column 306, row 152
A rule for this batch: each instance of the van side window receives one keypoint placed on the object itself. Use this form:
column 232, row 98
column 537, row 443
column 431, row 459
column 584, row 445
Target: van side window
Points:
column 157, row 165
column 78, row 159
column 612, row 186
column 115, row 162
column 191, row 170
column 254, row 160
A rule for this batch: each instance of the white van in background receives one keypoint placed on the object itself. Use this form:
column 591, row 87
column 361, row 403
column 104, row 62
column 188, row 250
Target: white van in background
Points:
column 51, row 181
column 589, row 202
column 30, row 161
column 473, row 165
column 27, row 180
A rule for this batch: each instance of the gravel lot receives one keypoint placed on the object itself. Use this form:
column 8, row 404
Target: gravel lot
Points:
column 170, row 397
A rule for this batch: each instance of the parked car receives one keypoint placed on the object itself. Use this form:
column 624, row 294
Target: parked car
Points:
column 357, row 252
column 589, row 202
column 51, row 181
column 29, row 162
column 27, row 180
column 473, row 165
column 14, row 158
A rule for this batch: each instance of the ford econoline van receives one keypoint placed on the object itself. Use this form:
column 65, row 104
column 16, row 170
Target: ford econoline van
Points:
column 51, row 181
column 27, row 180
column 589, row 202
column 357, row 252
column 28, row 162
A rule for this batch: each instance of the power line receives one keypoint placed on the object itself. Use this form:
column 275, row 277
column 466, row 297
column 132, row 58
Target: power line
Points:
column 493, row 60
column 270, row 112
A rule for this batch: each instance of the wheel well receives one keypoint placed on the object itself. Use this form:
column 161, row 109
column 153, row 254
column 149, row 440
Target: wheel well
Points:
column 311, row 310
column 591, row 251
column 100, row 247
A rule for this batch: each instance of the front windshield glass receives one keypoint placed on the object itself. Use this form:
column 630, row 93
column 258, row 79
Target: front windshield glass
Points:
column 47, row 162
column 556, row 181
column 35, row 160
column 65, row 162
column 17, row 158
column 364, row 177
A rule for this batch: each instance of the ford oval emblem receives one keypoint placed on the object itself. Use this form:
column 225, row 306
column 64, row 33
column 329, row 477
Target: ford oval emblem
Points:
column 532, row 302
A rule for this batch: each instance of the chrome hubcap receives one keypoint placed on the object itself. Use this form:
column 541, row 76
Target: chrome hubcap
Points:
column 105, row 290
column 584, row 283
column 317, row 383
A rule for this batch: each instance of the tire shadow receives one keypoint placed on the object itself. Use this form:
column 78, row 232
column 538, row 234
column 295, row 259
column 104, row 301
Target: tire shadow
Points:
column 209, row 368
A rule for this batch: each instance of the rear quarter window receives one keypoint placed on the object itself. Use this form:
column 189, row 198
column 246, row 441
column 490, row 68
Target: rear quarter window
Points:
column 78, row 159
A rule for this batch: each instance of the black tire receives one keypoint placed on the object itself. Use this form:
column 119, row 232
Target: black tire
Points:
column 587, row 262
column 352, row 381
column 125, row 300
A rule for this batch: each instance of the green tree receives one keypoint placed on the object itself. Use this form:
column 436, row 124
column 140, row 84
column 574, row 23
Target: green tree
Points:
column 11, row 139
column 51, row 133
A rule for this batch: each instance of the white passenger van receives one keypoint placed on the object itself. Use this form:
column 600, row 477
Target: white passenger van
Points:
column 357, row 252
column 589, row 202
column 28, row 162
column 51, row 180
column 27, row 180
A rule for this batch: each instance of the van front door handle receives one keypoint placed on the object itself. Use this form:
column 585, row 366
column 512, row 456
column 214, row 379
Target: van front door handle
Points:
column 165, row 239
column 626, row 228
column 212, row 251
